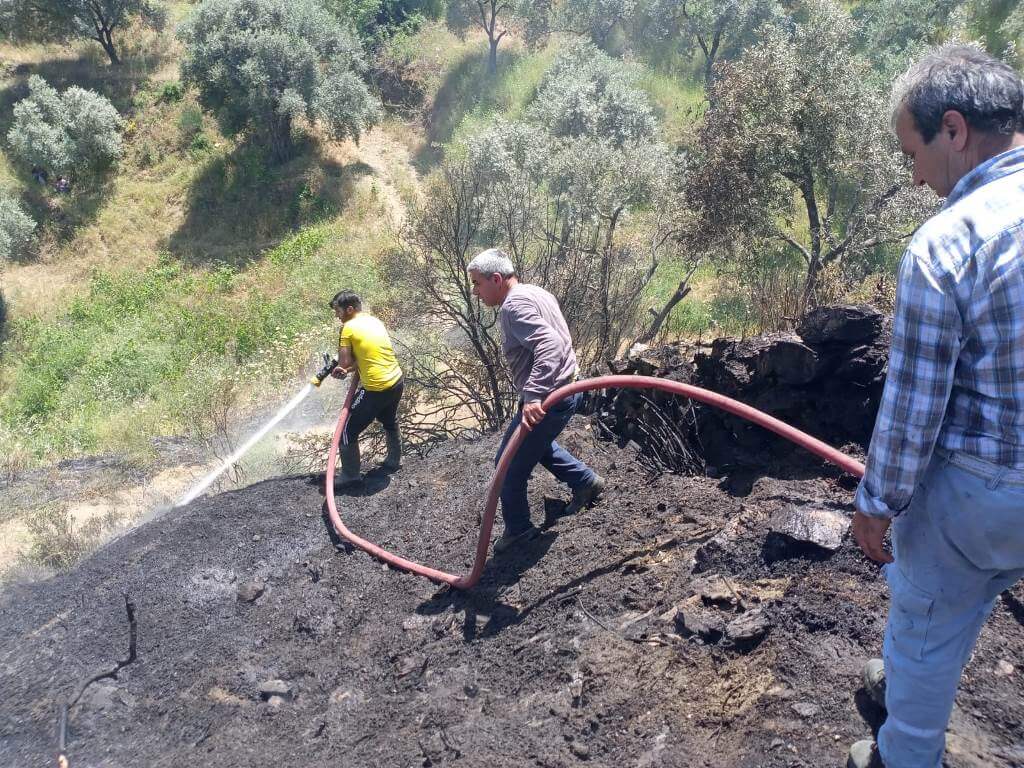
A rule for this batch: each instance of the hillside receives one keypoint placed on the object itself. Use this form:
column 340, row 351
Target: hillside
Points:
column 566, row 654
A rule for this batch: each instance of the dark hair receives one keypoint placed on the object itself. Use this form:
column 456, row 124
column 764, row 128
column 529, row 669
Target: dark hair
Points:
column 345, row 299
column 987, row 92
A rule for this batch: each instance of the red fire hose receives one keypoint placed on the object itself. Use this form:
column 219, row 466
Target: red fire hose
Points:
column 467, row 581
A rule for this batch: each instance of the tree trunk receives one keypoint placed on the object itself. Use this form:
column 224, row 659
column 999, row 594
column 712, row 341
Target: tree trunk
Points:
column 492, row 57
column 107, row 41
column 279, row 134
column 682, row 291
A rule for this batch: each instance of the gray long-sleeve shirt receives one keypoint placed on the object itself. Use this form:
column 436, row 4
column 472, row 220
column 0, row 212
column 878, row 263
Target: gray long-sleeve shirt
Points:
column 537, row 344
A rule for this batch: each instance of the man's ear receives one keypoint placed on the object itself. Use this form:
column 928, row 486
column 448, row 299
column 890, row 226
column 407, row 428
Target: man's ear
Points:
column 955, row 126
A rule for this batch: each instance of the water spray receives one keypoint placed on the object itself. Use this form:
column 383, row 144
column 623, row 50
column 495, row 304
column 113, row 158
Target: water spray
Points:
column 329, row 364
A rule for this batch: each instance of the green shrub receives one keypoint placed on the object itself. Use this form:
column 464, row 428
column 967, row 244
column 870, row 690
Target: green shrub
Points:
column 16, row 228
column 190, row 124
column 171, row 93
column 68, row 132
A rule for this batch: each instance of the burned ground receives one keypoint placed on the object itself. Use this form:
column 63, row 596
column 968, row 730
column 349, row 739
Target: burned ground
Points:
column 568, row 653
column 683, row 621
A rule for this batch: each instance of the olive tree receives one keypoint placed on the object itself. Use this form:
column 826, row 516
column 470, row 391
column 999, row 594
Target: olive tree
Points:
column 595, row 19
column 796, row 157
column 61, row 20
column 71, row 133
column 714, row 27
column 16, row 228
column 498, row 18
column 577, row 193
column 260, row 65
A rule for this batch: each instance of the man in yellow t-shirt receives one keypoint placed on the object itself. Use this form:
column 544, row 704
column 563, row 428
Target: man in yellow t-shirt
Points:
column 364, row 345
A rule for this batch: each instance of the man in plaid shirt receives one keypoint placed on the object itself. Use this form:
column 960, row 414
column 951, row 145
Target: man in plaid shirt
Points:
column 946, row 464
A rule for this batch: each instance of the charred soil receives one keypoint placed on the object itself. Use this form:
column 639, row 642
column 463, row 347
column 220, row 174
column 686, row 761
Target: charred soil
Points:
column 659, row 628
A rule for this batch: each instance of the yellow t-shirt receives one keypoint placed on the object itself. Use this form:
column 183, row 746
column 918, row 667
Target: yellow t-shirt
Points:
column 371, row 346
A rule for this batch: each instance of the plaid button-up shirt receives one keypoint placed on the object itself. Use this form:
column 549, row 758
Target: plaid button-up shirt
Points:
column 956, row 365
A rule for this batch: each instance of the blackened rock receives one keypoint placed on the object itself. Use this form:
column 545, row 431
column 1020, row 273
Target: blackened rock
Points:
column 713, row 590
column 796, row 531
column 276, row 687
column 845, row 322
column 865, row 364
column 706, row 624
column 250, row 591
column 788, row 360
column 748, row 629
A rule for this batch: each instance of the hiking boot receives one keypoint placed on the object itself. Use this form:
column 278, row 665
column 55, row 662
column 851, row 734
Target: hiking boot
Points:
column 349, row 455
column 585, row 496
column 393, row 461
column 864, row 754
column 510, row 540
column 873, row 675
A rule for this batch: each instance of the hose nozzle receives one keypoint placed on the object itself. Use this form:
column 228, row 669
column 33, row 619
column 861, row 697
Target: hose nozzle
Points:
column 329, row 364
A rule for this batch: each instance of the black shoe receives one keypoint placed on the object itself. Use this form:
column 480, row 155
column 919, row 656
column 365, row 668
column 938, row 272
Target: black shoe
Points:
column 585, row 496
column 509, row 540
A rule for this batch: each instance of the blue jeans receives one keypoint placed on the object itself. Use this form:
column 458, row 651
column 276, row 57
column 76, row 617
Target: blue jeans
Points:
column 958, row 545
column 539, row 447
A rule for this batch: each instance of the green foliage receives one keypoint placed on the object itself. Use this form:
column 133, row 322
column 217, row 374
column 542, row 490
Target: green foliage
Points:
column 716, row 30
column 260, row 64
column 558, row 190
column 16, row 228
column 378, row 20
column 73, row 133
column 794, row 157
column 597, row 20
column 190, row 124
column 152, row 339
column 171, row 93
column 585, row 93
column 62, row 20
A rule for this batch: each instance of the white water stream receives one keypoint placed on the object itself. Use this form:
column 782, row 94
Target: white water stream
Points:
column 207, row 481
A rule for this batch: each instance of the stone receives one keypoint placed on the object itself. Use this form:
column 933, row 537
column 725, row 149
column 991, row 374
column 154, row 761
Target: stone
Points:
column 276, row 687
column 250, row 591
column 747, row 629
column 803, row 530
column 1004, row 668
column 581, row 750
column 806, row 709
column 695, row 620
column 846, row 322
column 713, row 590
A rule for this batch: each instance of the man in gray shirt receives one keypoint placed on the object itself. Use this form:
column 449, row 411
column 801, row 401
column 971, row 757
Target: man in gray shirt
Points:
column 539, row 352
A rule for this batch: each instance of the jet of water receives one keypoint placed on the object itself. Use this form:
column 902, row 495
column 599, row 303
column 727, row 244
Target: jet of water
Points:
column 207, row 481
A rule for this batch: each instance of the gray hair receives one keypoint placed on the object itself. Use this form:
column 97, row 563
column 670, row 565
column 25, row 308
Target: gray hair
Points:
column 987, row 92
column 493, row 261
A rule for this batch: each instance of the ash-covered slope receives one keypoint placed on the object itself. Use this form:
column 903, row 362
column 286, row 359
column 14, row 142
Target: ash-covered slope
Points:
column 609, row 641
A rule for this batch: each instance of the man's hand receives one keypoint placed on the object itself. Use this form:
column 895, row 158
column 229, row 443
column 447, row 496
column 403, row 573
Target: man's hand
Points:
column 339, row 373
column 533, row 412
column 868, row 532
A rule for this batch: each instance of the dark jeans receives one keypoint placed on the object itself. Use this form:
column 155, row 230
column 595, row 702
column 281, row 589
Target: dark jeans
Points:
column 367, row 406
column 539, row 447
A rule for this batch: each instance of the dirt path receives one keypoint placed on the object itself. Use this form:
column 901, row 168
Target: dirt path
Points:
column 566, row 654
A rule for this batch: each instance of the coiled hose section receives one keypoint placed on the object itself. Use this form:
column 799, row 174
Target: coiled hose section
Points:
column 469, row 580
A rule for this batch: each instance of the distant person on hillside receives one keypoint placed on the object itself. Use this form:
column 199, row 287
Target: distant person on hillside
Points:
column 62, row 185
column 946, row 463
column 365, row 346
column 40, row 175
column 539, row 351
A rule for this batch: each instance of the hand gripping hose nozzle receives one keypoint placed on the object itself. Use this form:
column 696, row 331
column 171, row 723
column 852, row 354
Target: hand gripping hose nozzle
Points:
column 329, row 364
